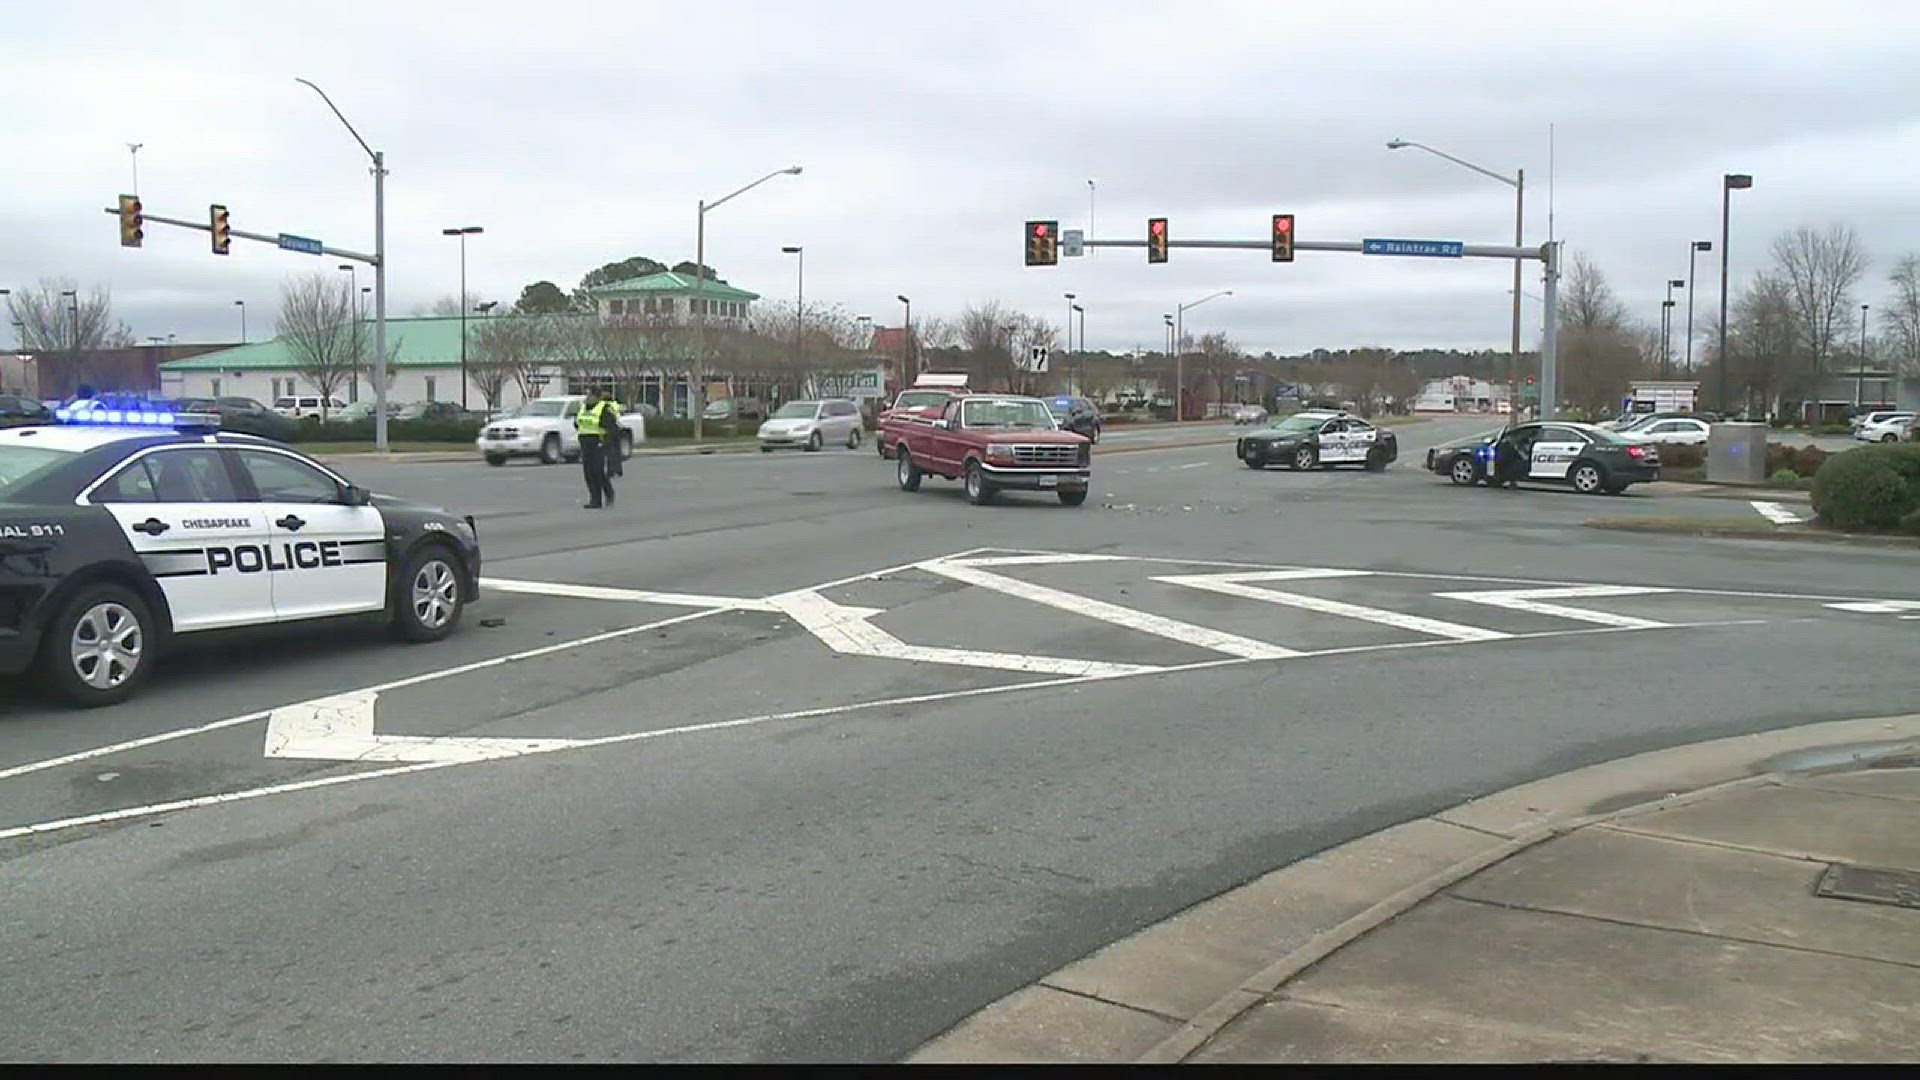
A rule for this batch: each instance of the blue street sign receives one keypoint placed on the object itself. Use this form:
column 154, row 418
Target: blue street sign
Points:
column 1445, row 249
column 300, row 244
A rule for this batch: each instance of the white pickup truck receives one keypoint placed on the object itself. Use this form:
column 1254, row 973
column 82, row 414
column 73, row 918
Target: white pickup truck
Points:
column 544, row 428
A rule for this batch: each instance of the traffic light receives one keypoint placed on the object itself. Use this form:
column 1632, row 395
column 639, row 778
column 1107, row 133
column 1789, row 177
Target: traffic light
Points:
column 222, row 232
column 1043, row 243
column 132, row 221
column 1156, row 239
column 1283, row 238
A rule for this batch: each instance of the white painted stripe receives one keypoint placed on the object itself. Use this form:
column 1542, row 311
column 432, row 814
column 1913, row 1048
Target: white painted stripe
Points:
column 845, row 629
column 1236, row 585
column 1187, row 633
column 340, row 728
column 1196, row 465
column 638, row 596
column 1777, row 513
column 154, row 809
column 1534, row 601
column 1879, row 607
column 1035, row 560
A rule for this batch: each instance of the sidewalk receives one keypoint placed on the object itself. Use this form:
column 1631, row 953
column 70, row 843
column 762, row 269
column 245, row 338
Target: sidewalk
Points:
column 1754, row 899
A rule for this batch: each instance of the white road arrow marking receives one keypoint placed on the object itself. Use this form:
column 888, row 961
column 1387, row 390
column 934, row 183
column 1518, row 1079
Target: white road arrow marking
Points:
column 1777, row 513
column 1239, row 585
column 1187, row 633
column 1879, row 607
column 639, row 596
column 845, row 629
column 1533, row 600
column 340, row 728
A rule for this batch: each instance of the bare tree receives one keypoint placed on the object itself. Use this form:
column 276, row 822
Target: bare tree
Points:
column 446, row 307
column 1900, row 316
column 71, row 327
column 1600, row 348
column 1764, row 339
column 504, row 350
column 1820, row 270
column 1587, row 301
column 318, row 322
column 1217, row 358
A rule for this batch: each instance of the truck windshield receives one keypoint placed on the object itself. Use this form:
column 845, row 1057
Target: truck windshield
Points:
column 1006, row 414
column 541, row 408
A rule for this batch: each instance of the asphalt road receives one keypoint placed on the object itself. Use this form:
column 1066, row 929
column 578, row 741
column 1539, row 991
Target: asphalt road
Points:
column 827, row 765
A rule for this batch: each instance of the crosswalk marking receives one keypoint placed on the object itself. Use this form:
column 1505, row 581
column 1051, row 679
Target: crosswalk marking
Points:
column 1159, row 625
column 1534, row 601
column 1242, row 585
column 1878, row 607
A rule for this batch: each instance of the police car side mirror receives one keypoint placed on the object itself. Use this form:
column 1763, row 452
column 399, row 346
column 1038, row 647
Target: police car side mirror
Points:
column 358, row 496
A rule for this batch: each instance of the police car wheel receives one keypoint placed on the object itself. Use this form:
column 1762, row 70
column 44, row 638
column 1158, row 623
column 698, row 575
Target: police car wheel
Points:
column 1376, row 460
column 1587, row 479
column 430, row 595
column 550, row 450
column 1464, row 473
column 1304, row 458
column 99, row 648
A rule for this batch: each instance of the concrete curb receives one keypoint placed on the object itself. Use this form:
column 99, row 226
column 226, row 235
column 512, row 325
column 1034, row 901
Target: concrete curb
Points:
column 1108, row 1006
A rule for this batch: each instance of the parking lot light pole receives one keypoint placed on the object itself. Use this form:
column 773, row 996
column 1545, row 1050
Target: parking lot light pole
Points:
column 694, row 392
column 242, row 305
column 1079, row 362
column 463, row 232
column 1697, row 247
column 906, row 346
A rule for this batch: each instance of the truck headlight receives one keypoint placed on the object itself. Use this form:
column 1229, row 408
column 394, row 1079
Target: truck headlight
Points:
column 1000, row 450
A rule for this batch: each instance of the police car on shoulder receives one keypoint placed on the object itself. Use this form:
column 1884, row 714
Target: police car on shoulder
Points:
column 1590, row 459
column 1318, row 438
column 126, row 527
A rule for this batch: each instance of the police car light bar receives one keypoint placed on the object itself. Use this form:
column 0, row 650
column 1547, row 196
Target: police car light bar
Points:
column 132, row 413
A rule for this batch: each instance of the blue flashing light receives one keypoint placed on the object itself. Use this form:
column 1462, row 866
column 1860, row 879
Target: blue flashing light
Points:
column 131, row 413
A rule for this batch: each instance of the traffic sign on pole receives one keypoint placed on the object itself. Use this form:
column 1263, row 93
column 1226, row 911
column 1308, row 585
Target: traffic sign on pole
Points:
column 1443, row 249
column 301, row 244
column 1072, row 243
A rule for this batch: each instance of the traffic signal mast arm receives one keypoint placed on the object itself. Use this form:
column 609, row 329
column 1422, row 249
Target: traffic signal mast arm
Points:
column 207, row 227
column 1488, row 251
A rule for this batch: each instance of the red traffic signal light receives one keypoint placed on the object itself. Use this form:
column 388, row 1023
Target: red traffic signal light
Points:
column 1283, row 238
column 1157, row 240
column 1043, row 243
column 132, row 221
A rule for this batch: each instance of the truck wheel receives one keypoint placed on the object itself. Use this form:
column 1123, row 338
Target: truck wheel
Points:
column 906, row 470
column 550, row 450
column 1074, row 498
column 496, row 460
column 99, row 648
column 979, row 491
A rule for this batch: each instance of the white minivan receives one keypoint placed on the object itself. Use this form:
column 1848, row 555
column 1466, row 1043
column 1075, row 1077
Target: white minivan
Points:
column 308, row 408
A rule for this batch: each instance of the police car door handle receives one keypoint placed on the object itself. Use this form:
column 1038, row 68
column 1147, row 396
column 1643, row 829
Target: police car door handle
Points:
column 152, row 527
column 290, row 523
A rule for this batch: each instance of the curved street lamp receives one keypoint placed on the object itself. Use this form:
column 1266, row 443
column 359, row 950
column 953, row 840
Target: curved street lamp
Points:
column 696, row 391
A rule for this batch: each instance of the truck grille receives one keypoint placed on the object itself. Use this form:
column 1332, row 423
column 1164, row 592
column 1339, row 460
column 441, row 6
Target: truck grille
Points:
column 1046, row 455
column 503, row 433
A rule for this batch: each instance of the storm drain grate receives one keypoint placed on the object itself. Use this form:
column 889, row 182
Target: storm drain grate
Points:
column 1871, row 884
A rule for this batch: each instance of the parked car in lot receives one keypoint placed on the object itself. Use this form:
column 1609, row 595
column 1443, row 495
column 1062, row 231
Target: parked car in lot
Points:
column 308, row 406
column 1076, row 414
column 15, row 409
column 1884, row 427
column 995, row 442
column 811, row 425
column 745, row 408
column 544, row 428
column 245, row 415
column 1672, row 431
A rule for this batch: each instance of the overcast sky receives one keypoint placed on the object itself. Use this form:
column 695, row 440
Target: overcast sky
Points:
column 577, row 134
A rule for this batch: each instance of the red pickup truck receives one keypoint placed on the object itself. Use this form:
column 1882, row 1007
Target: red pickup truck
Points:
column 996, row 442
column 917, row 406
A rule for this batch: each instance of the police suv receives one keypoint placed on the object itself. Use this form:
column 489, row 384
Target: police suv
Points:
column 125, row 526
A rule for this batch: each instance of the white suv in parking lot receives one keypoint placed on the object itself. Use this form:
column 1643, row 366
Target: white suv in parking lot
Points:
column 544, row 428
column 309, row 407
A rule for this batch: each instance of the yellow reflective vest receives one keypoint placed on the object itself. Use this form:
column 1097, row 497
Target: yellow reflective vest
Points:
column 591, row 421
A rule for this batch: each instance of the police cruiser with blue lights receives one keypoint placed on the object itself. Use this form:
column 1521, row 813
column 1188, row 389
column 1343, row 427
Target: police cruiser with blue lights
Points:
column 127, row 527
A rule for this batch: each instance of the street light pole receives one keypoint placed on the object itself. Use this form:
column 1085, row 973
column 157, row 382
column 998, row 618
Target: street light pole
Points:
column 242, row 305
column 1859, row 369
column 463, row 232
column 1666, row 328
column 379, row 158
column 1180, row 351
column 906, row 346
column 1729, row 183
column 1518, row 182
column 1079, row 358
column 1697, row 247
column 699, row 294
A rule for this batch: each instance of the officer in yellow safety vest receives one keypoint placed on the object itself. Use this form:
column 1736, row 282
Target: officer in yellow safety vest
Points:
column 598, row 425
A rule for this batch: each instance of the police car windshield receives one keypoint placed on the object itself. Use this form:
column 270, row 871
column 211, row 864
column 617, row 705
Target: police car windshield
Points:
column 21, row 464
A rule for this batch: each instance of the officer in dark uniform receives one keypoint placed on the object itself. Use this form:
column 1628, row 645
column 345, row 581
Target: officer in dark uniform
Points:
column 598, row 426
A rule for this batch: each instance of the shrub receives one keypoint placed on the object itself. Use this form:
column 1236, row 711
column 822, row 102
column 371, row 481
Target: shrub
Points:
column 1784, row 478
column 1874, row 487
column 1911, row 523
column 1805, row 460
column 1683, row 457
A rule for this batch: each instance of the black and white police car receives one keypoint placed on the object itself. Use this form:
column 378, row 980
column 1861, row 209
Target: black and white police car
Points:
column 125, row 527
column 1316, row 438
column 1591, row 460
